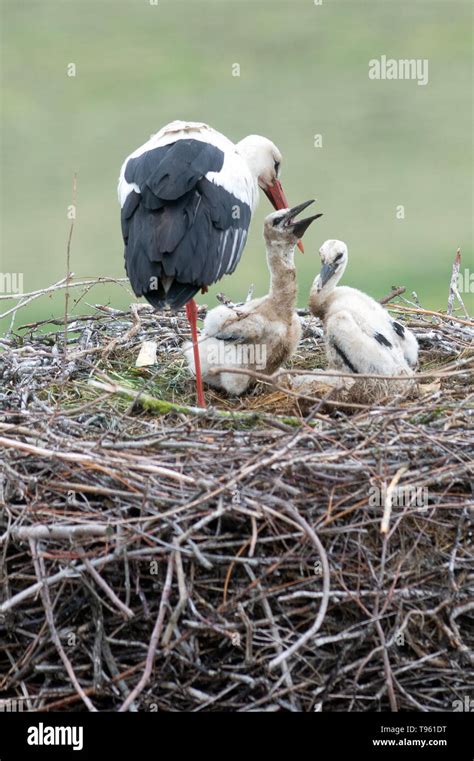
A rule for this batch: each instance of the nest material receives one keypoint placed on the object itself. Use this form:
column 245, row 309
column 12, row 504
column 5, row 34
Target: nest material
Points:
column 251, row 559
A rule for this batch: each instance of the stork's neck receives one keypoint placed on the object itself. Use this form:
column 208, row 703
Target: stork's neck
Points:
column 251, row 152
column 281, row 263
column 318, row 297
column 256, row 159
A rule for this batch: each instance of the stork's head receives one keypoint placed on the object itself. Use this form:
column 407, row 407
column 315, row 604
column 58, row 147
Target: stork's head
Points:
column 334, row 257
column 264, row 161
column 281, row 227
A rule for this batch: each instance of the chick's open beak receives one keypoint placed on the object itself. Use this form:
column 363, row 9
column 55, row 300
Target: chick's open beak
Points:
column 300, row 226
column 277, row 198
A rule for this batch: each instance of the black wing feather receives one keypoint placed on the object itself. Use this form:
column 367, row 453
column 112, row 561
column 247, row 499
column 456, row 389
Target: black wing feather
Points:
column 180, row 225
column 344, row 357
column 382, row 340
column 399, row 329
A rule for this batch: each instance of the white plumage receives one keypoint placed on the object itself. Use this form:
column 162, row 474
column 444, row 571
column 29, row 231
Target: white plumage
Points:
column 235, row 176
column 360, row 335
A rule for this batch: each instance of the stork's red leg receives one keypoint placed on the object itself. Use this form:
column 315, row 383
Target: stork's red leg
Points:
column 191, row 314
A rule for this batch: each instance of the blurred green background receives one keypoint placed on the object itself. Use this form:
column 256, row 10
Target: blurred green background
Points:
column 304, row 72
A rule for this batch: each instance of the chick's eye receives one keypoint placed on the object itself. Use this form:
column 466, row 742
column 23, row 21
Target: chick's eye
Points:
column 339, row 257
column 276, row 221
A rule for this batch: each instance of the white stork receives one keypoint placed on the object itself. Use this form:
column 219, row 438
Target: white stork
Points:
column 187, row 197
column 360, row 335
column 264, row 332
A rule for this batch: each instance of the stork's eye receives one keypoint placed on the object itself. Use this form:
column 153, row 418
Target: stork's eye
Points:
column 339, row 256
column 276, row 166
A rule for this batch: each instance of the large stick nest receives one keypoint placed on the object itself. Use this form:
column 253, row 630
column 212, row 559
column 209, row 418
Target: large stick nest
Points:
column 162, row 559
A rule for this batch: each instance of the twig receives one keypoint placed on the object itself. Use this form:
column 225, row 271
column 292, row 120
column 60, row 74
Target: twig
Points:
column 66, row 573
column 385, row 525
column 326, row 588
column 86, row 459
column 61, row 284
column 68, row 263
column 453, row 285
column 55, row 532
column 397, row 290
column 162, row 407
column 434, row 313
column 125, row 610
column 155, row 636
column 52, row 628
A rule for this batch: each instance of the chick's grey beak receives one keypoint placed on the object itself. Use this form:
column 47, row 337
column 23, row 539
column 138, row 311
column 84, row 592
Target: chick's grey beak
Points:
column 298, row 209
column 300, row 226
column 327, row 271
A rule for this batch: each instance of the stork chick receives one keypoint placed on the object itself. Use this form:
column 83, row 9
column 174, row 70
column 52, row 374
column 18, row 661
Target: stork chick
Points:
column 264, row 332
column 360, row 335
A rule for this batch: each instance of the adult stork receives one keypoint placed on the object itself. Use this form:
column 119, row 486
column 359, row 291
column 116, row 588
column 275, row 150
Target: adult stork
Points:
column 187, row 196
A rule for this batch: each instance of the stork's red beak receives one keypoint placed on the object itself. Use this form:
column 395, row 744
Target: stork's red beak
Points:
column 277, row 198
